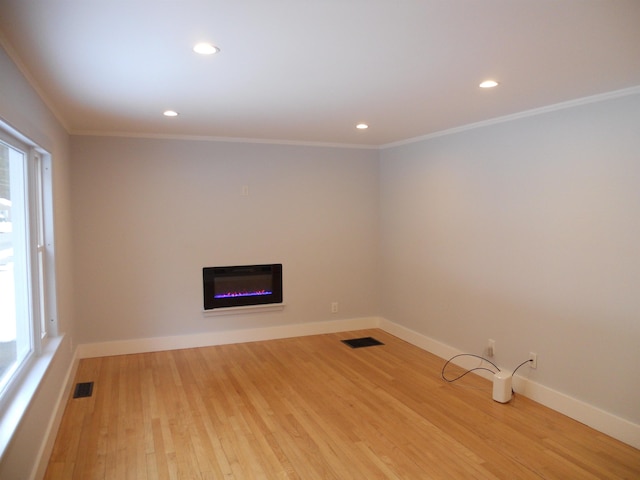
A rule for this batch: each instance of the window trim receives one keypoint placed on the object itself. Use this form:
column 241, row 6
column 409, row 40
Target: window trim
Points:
column 45, row 339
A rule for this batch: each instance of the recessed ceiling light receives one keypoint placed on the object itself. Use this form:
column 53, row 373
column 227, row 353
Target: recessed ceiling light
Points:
column 362, row 126
column 488, row 84
column 170, row 113
column 205, row 48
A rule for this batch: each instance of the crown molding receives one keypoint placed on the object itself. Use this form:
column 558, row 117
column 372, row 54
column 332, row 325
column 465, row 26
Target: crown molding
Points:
column 517, row 116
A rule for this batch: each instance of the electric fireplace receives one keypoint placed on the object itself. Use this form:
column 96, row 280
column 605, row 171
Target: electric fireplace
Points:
column 242, row 285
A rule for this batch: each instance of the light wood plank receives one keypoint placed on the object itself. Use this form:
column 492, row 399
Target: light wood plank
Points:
column 311, row 408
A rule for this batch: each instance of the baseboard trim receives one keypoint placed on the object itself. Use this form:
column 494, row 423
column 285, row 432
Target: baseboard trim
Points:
column 605, row 422
column 156, row 344
column 40, row 466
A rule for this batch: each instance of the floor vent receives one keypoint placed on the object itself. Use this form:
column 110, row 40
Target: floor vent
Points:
column 362, row 342
column 83, row 390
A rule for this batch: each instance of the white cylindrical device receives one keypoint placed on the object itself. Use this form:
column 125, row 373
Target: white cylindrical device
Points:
column 502, row 386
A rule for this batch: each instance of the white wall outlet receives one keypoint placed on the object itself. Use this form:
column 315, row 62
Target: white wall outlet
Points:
column 491, row 348
column 533, row 360
column 334, row 307
column 245, row 190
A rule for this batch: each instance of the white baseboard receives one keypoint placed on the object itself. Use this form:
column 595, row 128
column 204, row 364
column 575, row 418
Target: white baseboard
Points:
column 142, row 345
column 600, row 420
column 40, row 467
column 604, row 422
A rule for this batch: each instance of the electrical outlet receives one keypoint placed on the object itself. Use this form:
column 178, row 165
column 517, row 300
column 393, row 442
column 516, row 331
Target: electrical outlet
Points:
column 491, row 348
column 334, row 307
column 533, row 360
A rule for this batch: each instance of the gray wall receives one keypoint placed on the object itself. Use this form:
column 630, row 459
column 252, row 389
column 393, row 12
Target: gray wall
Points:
column 150, row 214
column 22, row 108
column 526, row 232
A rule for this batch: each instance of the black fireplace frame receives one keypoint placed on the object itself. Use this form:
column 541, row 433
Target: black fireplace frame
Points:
column 211, row 274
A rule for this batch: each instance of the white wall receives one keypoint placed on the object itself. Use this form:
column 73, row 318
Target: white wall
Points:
column 149, row 214
column 22, row 108
column 526, row 232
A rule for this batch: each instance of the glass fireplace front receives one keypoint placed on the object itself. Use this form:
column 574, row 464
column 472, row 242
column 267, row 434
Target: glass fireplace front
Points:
column 242, row 285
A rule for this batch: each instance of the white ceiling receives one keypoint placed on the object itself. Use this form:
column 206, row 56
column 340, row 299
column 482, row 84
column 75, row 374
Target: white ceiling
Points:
column 308, row 71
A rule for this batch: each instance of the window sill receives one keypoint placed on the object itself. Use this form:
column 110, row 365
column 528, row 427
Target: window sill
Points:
column 22, row 394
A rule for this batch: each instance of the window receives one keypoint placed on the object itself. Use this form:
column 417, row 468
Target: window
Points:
column 24, row 251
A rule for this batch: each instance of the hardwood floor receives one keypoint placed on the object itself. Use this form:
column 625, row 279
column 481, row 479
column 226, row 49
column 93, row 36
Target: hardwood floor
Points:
column 313, row 408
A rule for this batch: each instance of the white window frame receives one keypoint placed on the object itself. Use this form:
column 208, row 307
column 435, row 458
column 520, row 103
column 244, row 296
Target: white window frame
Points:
column 16, row 393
